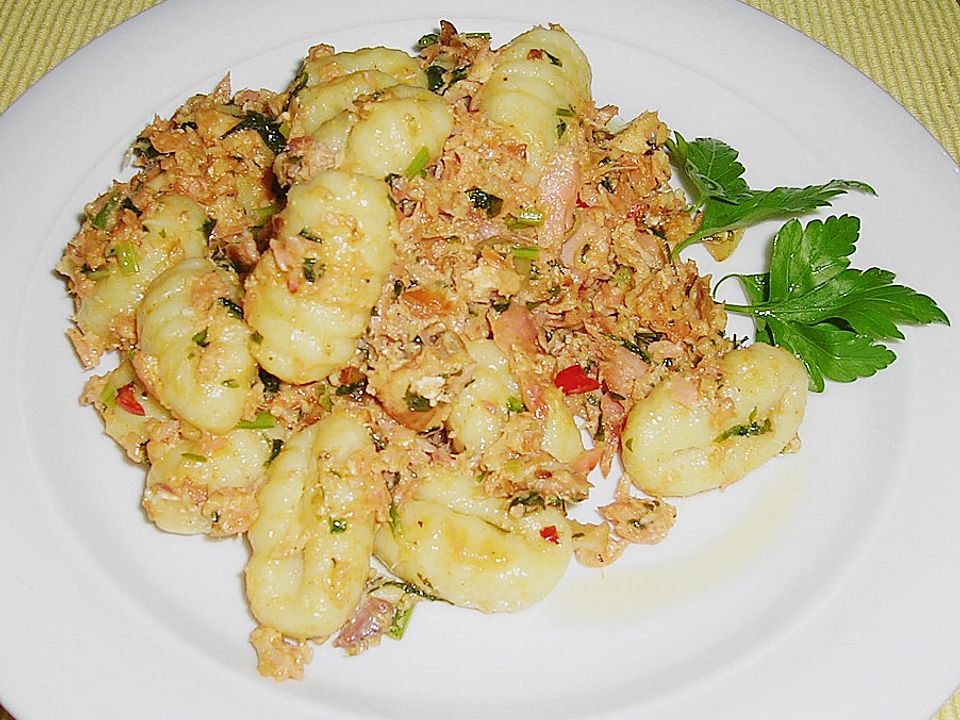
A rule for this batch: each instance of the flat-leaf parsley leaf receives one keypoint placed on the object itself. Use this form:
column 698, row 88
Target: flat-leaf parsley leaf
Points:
column 728, row 203
column 832, row 316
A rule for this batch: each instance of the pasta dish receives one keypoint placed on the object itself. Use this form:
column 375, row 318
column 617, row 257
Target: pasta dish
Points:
column 393, row 322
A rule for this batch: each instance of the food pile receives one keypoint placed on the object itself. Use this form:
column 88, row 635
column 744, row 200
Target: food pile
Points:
column 369, row 322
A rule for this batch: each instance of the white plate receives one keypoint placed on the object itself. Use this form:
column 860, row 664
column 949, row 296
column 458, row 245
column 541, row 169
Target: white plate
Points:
column 824, row 585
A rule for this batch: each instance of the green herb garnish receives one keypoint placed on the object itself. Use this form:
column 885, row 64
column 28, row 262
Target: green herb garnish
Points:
column 725, row 199
column 127, row 258
column 401, row 618
column 427, row 40
column 231, row 307
column 525, row 219
column 312, row 271
column 749, row 429
column 355, row 388
column 207, row 228
column 832, row 316
column 323, row 397
column 435, row 78
column 529, row 500
column 338, row 525
column 106, row 216
column 515, row 404
column 200, row 338
column 525, row 253
column 415, row 402
column 538, row 53
column 267, row 129
column 271, row 383
column 260, row 215
column 143, row 148
column 418, row 163
column 276, row 445
column 263, row 421
column 483, row 200
column 108, row 396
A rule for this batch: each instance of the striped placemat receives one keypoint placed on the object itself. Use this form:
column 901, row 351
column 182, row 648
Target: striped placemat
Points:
column 911, row 48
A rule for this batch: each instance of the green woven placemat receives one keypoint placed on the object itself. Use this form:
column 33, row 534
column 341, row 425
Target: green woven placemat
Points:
column 911, row 48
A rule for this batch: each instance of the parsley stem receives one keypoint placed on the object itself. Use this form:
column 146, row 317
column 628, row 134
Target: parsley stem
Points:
column 702, row 235
column 743, row 309
column 262, row 421
column 418, row 163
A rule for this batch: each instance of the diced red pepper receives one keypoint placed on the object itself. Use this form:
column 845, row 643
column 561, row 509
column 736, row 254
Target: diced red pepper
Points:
column 534, row 54
column 550, row 534
column 573, row 380
column 128, row 401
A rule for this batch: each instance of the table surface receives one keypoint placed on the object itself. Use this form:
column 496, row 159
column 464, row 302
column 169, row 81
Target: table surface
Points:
column 911, row 48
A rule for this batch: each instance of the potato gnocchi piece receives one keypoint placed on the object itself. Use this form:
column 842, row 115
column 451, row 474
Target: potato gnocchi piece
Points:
column 324, row 65
column 560, row 50
column 312, row 541
column 128, row 413
column 672, row 448
column 173, row 229
column 451, row 540
column 333, row 82
column 403, row 127
column 307, row 332
column 535, row 75
column 314, row 105
column 194, row 355
column 209, row 484
column 479, row 413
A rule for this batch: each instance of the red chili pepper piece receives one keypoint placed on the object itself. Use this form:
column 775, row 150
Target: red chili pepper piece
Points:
column 573, row 380
column 128, row 401
column 534, row 54
column 550, row 534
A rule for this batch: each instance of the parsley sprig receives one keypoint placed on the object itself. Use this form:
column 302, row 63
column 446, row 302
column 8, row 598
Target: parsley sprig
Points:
column 725, row 199
column 832, row 316
column 835, row 318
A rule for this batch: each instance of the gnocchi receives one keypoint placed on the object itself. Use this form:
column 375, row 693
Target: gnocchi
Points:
column 128, row 412
column 676, row 448
column 313, row 537
column 324, row 65
column 170, row 229
column 343, row 231
column 536, row 74
column 451, row 540
column 208, row 485
column 194, row 348
column 387, row 323
column 404, row 127
column 482, row 410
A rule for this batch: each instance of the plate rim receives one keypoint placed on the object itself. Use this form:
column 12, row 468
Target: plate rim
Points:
column 42, row 95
